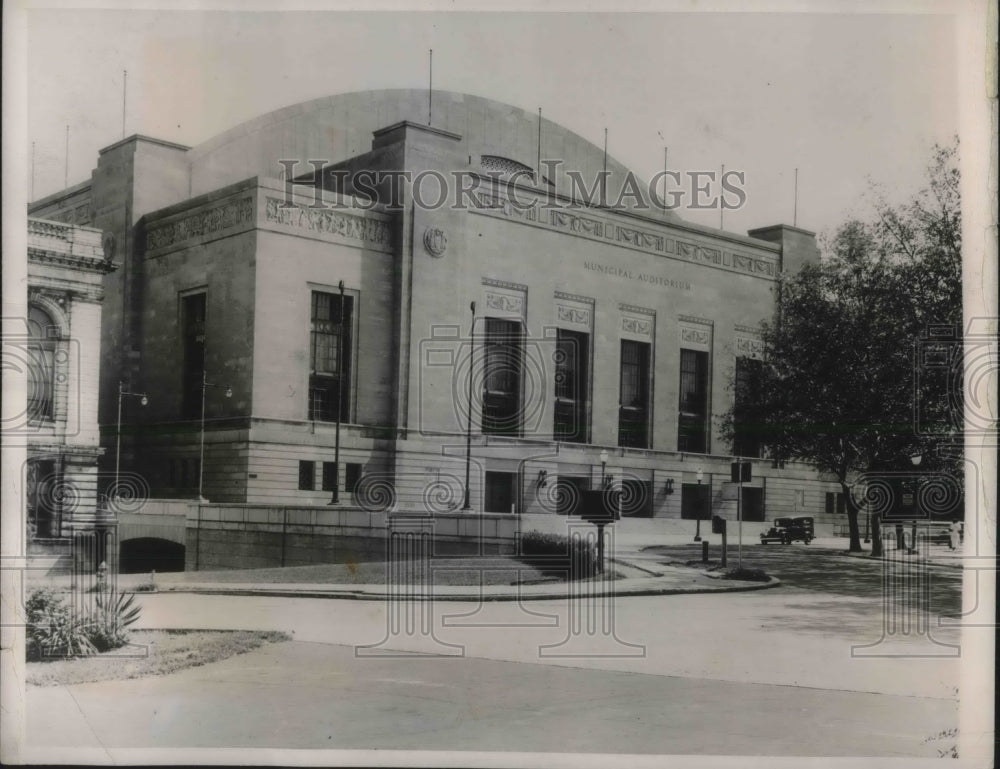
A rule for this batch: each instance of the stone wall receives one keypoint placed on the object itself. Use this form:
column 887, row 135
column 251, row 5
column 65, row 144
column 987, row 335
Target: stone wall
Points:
column 255, row 537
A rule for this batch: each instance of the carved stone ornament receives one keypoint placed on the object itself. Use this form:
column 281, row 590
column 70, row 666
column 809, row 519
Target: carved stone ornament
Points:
column 435, row 241
column 108, row 241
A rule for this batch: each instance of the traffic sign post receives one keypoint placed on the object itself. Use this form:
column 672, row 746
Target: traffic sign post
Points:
column 740, row 472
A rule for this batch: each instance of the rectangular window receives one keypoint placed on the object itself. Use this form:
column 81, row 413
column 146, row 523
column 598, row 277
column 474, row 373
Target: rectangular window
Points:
column 307, row 472
column 499, row 497
column 502, row 377
column 193, row 335
column 329, row 475
column 572, row 358
column 352, row 476
column 747, row 437
column 835, row 502
column 692, row 430
column 633, row 410
column 330, row 357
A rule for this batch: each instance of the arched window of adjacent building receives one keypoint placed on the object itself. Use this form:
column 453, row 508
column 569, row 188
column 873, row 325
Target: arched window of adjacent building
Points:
column 43, row 335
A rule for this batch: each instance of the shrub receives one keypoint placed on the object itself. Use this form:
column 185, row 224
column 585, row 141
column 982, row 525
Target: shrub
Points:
column 116, row 613
column 746, row 574
column 557, row 552
column 52, row 630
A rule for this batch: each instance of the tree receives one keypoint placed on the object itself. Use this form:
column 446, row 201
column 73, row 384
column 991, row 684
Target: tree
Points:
column 838, row 384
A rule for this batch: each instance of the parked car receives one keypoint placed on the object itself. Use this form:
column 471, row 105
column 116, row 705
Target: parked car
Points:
column 787, row 530
column 774, row 534
column 802, row 527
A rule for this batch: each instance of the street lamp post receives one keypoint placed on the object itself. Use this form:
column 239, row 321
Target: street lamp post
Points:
column 605, row 484
column 697, row 525
column 915, row 459
column 468, row 418
column 335, row 499
column 122, row 392
column 205, row 384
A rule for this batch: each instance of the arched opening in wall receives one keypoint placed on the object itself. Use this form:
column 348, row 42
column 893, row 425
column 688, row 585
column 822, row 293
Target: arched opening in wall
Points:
column 43, row 334
column 145, row 554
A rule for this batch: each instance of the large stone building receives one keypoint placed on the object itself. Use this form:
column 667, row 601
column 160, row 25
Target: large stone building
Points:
column 602, row 327
column 62, row 338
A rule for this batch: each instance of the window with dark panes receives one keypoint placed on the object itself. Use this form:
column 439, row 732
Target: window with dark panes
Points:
column 352, row 476
column 692, row 430
column 747, row 435
column 193, row 329
column 307, row 475
column 330, row 357
column 633, row 411
column 572, row 354
column 502, row 366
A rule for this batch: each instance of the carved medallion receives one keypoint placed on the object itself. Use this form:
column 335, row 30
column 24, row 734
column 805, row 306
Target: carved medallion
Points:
column 435, row 241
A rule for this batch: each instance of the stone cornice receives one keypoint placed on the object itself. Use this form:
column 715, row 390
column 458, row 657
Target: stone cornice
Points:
column 634, row 308
column 225, row 217
column 504, row 284
column 574, row 297
column 44, row 256
column 663, row 239
column 362, row 229
column 695, row 319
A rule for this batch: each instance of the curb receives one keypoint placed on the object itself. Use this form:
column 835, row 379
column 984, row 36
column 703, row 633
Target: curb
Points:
column 379, row 593
column 930, row 562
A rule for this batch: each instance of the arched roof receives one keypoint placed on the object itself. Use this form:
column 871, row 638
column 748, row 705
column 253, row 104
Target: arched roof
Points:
column 338, row 127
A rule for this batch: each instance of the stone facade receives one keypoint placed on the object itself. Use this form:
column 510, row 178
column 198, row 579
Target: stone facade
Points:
column 648, row 301
column 66, row 266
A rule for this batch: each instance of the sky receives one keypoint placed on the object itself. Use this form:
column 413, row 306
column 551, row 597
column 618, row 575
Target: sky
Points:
column 844, row 98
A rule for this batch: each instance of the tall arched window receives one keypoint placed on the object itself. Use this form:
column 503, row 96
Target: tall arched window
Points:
column 43, row 334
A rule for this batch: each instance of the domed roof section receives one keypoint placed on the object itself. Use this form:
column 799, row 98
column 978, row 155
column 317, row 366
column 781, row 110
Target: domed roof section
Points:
column 335, row 128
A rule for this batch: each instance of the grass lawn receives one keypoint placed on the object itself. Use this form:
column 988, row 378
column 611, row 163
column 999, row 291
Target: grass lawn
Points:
column 151, row 653
column 493, row 570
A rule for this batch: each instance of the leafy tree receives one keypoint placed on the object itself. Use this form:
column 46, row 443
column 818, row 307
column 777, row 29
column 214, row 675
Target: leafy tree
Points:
column 838, row 386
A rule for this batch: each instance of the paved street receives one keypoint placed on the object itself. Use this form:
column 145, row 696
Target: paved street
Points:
column 312, row 695
column 762, row 673
column 808, row 568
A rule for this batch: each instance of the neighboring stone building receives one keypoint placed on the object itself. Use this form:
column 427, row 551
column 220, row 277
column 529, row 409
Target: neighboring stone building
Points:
column 66, row 268
column 609, row 328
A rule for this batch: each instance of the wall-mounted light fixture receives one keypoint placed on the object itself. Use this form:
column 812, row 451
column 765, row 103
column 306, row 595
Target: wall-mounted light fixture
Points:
column 542, row 478
column 606, row 480
column 669, row 486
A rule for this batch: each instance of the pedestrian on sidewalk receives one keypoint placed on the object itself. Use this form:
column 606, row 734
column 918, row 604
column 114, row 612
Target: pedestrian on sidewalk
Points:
column 953, row 535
